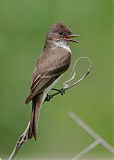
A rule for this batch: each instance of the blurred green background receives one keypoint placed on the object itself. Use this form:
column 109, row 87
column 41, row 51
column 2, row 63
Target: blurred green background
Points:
column 23, row 25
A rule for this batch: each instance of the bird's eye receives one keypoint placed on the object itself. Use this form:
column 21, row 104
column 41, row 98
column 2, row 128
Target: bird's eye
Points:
column 61, row 33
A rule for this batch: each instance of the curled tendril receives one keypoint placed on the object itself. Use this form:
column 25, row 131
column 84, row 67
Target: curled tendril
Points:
column 68, row 84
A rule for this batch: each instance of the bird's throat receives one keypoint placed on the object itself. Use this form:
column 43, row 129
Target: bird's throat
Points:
column 62, row 44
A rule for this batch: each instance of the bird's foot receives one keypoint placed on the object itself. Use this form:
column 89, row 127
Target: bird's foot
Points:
column 61, row 91
column 48, row 97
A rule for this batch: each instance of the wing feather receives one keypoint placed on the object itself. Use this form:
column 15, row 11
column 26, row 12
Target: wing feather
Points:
column 48, row 69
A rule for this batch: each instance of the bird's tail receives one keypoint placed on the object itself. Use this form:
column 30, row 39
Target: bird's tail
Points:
column 36, row 106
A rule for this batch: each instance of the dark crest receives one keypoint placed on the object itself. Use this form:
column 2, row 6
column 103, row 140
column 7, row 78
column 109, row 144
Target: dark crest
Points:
column 60, row 27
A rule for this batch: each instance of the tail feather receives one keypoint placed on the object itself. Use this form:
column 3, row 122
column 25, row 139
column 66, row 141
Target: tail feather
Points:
column 36, row 106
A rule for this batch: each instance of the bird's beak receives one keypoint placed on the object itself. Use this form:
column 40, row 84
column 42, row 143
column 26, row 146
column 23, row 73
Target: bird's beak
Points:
column 68, row 38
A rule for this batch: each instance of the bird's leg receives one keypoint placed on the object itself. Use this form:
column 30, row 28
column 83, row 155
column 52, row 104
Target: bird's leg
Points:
column 48, row 97
column 61, row 91
column 58, row 91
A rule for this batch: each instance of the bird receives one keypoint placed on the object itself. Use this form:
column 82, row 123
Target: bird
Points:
column 52, row 63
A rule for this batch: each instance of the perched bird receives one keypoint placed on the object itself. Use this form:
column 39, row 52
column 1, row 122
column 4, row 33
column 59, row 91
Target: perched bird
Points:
column 53, row 62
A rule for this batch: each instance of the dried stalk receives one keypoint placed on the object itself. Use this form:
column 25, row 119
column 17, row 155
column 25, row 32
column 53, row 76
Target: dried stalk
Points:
column 66, row 86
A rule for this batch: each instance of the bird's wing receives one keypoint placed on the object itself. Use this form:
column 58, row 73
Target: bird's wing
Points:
column 48, row 69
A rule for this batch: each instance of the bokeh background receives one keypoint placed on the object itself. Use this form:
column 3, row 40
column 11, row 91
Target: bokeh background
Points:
column 23, row 25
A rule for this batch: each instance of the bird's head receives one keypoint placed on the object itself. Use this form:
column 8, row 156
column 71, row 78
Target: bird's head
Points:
column 59, row 32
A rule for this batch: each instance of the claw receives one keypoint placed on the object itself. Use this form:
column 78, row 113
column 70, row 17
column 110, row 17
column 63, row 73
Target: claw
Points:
column 62, row 91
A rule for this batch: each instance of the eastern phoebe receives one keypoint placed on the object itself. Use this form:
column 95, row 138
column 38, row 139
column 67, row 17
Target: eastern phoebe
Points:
column 53, row 62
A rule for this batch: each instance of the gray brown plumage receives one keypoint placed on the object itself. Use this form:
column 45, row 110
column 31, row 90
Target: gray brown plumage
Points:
column 54, row 61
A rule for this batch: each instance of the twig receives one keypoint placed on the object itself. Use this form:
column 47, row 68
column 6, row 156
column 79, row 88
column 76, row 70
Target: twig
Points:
column 66, row 86
column 22, row 139
column 91, row 132
column 86, row 150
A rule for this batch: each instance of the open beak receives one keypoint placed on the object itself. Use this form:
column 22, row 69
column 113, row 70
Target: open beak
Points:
column 69, row 38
